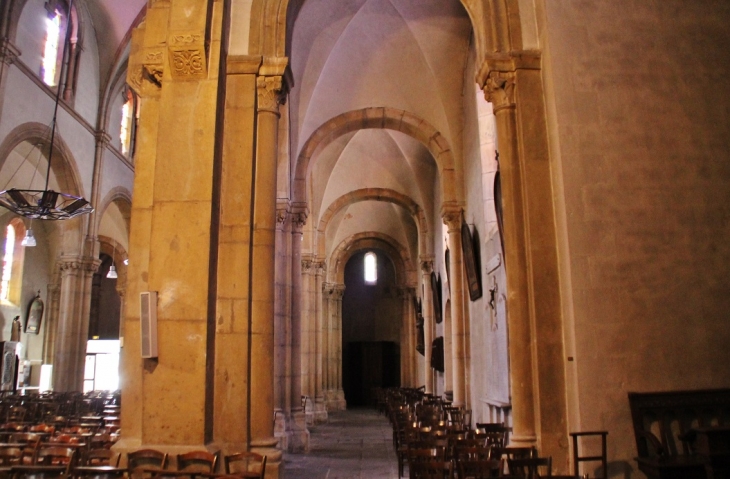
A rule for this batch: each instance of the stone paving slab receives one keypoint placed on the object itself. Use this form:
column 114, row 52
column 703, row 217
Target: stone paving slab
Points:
column 354, row 444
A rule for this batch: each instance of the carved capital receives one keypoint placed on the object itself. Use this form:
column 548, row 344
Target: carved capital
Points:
column 144, row 75
column 427, row 264
column 270, row 91
column 451, row 216
column 406, row 292
column 72, row 265
column 307, row 264
column 319, row 267
column 299, row 219
column 102, row 138
column 499, row 90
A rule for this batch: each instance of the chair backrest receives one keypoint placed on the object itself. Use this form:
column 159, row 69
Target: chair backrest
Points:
column 147, row 458
column 198, row 461
column 102, row 457
column 25, row 438
column 56, row 455
column 11, row 455
column 531, row 468
column 433, row 469
column 245, row 462
column 479, row 469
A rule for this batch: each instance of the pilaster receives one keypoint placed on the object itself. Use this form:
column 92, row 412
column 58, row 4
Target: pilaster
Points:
column 513, row 83
column 428, row 324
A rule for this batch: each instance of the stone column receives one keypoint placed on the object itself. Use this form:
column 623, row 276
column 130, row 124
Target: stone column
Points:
column 8, row 55
column 338, row 396
column 269, row 95
column 300, row 435
column 513, row 84
column 307, row 327
column 73, row 322
column 51, row 322
column 320, row 313
column 452, row 219
column 428, row 326
column 282, row 333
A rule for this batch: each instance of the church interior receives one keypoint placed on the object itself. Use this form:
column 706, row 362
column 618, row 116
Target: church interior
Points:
column 300, row 203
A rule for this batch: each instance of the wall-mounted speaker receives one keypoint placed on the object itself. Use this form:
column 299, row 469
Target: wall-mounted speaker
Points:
column 148, row 323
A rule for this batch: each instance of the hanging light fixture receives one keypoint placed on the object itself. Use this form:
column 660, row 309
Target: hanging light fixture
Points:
column 47, row 204
column 29, row 239
column 112, row 274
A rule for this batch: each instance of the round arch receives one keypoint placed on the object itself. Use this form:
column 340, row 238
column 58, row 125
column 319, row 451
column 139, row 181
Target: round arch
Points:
column 397, row 253
column 119, row 195
column 382, row 118
column 375, row 194
column 63, row 164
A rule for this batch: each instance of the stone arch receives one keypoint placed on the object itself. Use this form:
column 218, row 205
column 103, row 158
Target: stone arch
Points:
column 404, row 270
column 496, row 25
column 63, row 165
column 374, row 194
column 119, row 195
column 383, row 118
column 114, row 249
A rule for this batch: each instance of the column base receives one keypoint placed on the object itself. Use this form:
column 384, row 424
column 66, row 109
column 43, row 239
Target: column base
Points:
column 336, row 400
column 320, row 410
column 267, row 447
column 298, row 434
column 281, row 431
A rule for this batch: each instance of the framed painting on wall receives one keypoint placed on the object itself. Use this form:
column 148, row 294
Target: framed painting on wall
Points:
column 470, row 263
column 34, row 315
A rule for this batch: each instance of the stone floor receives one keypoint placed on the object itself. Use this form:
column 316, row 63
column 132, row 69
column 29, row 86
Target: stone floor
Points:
column 351, row 444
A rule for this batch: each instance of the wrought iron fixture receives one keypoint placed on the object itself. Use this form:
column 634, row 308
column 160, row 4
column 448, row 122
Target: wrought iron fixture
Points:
column 48, row 204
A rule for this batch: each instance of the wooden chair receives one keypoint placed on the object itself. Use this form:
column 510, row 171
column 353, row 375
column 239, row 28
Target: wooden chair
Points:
column 478, row 469
column 102, row 457
column 56, row 455
column 197, row 461
column 433, row 470
column 25, row 438
column 141, row 461
column 11, row 455
column 419, row 455
column 247, row 463
column 531, row 468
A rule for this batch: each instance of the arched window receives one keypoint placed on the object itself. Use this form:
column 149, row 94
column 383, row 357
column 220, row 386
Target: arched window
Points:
column 371, row 268
column 128, row 125
column 13, row 255
column 61, row 34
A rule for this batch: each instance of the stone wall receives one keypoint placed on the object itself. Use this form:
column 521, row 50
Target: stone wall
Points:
column 638, row 96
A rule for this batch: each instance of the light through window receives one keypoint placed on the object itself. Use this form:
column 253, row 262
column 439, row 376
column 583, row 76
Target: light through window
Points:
column 7, row 263
column 371, row 268
column 50, row 52
column 125, row 133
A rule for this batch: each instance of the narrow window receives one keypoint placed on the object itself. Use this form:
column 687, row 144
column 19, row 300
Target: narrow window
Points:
column 125, row 132
column 50, row 51
column 371, row 268
column 7, row 263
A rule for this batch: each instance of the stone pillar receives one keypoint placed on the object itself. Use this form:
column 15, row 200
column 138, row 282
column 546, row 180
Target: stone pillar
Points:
column 282, row 333
column 8, row 54
column 452, row 219
column 300, row 435
column 270, row 88
column 320, row 313
column 408, row 339
column 307, row 327
column 336, row 342
column 72, row 331
column 428, row 326
column 513, row 84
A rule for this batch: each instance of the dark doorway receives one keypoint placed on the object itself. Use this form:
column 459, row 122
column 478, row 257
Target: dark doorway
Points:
column 372, row 312
column 369, row 365
column 105, row 303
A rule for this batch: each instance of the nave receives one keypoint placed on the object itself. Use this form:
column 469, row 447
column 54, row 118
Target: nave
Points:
column 355, row 443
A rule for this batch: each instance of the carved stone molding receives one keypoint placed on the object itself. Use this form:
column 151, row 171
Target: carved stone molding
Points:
column 70, row 265
column 8, row 52
column 270, row 90
column 307, row 265
column 333, row 290
column 427, row 264
column 145, row 71
column 299, row 219
column 102, row 138
column 187, row 55
column 319, row 267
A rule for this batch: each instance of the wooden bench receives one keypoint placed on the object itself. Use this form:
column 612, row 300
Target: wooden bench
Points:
column 664, row 424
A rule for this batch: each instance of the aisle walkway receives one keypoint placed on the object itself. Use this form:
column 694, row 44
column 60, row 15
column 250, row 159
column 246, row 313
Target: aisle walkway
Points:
column 352, row 444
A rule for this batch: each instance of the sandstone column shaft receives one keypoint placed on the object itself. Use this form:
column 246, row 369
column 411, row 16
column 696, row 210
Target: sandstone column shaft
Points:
column 427, row 311
column 262, row 259
column 452, row 218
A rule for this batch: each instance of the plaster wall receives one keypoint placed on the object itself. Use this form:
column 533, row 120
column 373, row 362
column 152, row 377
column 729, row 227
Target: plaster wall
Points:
column 638, row 104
